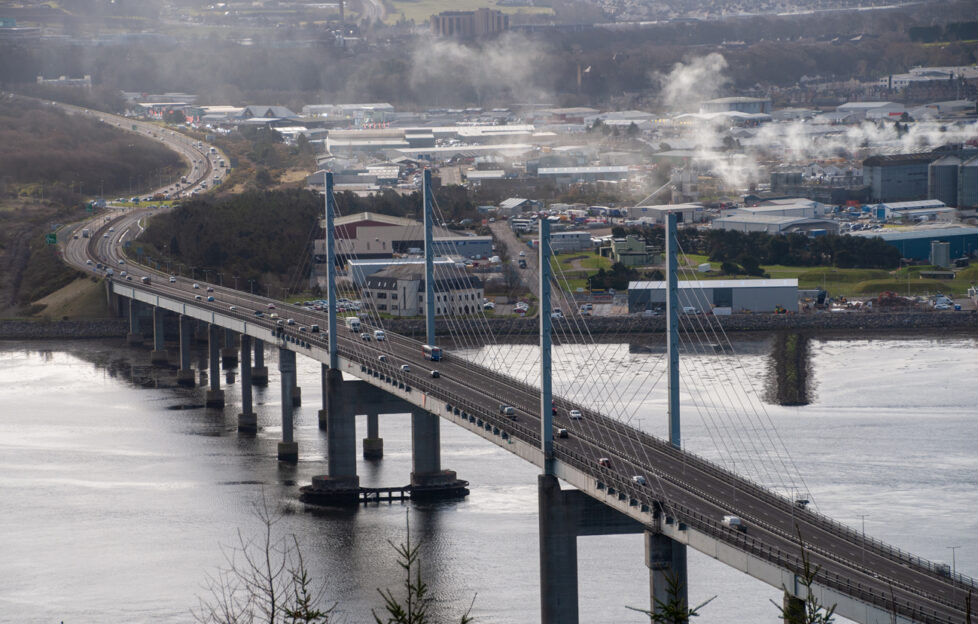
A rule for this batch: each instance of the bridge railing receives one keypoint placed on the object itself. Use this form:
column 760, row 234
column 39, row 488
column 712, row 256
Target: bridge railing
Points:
column 789, row 561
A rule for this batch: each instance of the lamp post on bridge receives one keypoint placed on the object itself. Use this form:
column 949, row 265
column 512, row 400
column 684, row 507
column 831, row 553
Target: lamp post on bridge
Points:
column 252, row 283
column 235, row 282
column 954, row 563
column 863, row 544
column 220, row 279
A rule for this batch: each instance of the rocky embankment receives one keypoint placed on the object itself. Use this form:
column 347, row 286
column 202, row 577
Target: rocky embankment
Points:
column 63, row 330
column 855, row 321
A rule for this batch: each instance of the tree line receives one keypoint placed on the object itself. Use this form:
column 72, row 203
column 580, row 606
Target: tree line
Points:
column 744, row 252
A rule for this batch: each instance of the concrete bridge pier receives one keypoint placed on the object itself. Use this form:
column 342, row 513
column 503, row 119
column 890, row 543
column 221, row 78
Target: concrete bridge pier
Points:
column 666, row 561
column 185, row 376
column 323, row 418
column 564, row 516
column 229, row 354
column 288, row 448
column 373, row 444
column 340, row 484
column 134, row 337
column 247, row 419
column 428, row 480
column 214, row 395
column 158, row 355
column 296, row 396
column 259, row 372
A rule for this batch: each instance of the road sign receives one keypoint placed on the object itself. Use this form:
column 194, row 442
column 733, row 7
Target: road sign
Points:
column 51, row 239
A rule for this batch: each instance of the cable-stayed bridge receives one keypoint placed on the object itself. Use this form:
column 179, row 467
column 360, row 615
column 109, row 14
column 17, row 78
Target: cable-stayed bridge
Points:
column 623, row 479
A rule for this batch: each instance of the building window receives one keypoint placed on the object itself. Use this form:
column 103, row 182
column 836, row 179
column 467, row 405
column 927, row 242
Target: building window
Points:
column 393, row 295
column 382, row 306
column 381, row 295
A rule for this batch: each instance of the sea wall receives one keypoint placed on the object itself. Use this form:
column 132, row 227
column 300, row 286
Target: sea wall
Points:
column 596, row 325
column 63, row 330
column 840, row 321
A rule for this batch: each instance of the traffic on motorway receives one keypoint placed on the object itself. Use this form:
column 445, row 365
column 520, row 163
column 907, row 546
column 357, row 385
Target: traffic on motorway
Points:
column 663, row 481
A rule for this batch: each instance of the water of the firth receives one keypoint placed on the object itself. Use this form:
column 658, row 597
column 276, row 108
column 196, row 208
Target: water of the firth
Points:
column 116, row 498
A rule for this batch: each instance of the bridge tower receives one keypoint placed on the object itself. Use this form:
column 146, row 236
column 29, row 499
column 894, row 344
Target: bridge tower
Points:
column 564, row 515
column 428, row 479
column 665, row 557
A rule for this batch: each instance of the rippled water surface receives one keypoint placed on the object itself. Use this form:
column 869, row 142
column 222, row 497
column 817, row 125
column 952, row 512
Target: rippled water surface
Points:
column 119, row 490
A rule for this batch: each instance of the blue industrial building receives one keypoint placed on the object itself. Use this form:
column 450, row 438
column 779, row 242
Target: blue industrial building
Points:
column 916, row 244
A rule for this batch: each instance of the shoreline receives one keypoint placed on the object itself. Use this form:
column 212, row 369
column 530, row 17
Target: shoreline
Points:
column 827, row 323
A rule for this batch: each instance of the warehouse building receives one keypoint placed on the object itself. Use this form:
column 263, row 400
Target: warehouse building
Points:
column 916, row 244
column 718, row 296
column 773, row 224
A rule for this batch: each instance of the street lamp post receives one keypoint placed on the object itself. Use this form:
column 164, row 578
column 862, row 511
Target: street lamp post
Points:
column 954, row 563
column 235, row 282
column 252, row 282
column 863, row 518
column 220, row 279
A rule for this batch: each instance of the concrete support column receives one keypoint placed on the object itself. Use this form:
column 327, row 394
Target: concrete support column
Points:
column 323, row 418
column 425, row 445
column 794, row 609
column 259, row 372
column 247, row 419
column 229, row 354
column 214, row 395
column 558, row 554
column 340, row 484
column 288, row 448
column 666, row 559
column 158, row 355
column 296, row 396
column 185, row 376
column 134, row 337
column 373, row 444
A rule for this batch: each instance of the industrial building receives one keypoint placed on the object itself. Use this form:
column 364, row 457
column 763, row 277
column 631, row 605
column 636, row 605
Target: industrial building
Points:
column 773, row 224
column 564, row 242
column 898, row 177
column 465, row 24
column 360, row 270
column 916, row 244
column 942, row 180
column 794, row 207
column 400, row 291
column 704, row 296
column 656, row 215
column 748, row 105
column 968, row 183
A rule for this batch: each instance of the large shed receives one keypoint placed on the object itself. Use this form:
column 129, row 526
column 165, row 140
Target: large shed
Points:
column 761, row 295
column 916, row 244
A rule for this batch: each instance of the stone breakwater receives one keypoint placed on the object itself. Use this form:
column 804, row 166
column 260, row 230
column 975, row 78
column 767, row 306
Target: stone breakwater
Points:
column 63, row 330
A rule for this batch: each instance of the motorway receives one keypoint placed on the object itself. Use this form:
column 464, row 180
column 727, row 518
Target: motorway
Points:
column 683, row 486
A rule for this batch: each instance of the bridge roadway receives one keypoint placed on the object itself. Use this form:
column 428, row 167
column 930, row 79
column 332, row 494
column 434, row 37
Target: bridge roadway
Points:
column 685, row 497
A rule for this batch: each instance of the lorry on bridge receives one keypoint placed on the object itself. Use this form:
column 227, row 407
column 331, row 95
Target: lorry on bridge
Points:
column 353, row 323
column 86, row 233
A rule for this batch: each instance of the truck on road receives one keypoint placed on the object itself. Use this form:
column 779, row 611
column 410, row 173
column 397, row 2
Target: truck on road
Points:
column 353, row 323
column 86, row 233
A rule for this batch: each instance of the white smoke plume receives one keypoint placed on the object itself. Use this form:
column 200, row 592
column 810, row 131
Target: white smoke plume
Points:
column 688, row 84
column 501, row 70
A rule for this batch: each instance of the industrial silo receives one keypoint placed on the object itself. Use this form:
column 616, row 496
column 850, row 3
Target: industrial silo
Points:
column 968, row 183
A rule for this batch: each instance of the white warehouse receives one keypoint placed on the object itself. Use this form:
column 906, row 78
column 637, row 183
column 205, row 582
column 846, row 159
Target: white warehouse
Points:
column 762, row 295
